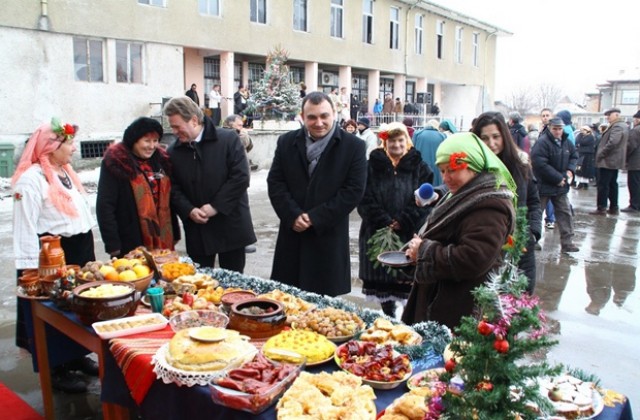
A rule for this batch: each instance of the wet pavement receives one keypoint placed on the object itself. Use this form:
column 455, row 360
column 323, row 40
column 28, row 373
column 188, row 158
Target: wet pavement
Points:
column 589, row 296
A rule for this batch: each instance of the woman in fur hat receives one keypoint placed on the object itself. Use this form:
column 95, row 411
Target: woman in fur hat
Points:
column 134, row 192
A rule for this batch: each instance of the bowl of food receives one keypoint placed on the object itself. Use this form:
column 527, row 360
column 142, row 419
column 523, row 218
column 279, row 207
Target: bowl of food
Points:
column 257, row 317
column 104, row 300
column 174, row 269
column 198, row 318
column 229, row 298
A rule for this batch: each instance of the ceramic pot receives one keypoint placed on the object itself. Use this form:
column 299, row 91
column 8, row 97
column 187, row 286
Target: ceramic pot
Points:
column 93, row 309
column 257, row 317
column 51, row 258
column 30, row 285
column 47, row 283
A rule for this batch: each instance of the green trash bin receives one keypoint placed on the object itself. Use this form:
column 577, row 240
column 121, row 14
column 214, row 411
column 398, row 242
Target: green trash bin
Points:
column 6, row 160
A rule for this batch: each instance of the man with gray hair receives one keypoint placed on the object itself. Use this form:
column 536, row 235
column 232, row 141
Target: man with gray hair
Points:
column 209, row 182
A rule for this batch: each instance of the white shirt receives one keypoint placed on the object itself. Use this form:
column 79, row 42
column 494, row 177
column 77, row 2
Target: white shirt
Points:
column 34, row 213
column 214, row 99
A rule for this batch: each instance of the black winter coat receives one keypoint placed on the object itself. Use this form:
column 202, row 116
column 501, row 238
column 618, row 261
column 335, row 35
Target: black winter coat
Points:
column 551, row 161
column 528, row 197
column 213, row 171
column 318, row 259
column 116, row 208
column 389, row 196
column 586, row 147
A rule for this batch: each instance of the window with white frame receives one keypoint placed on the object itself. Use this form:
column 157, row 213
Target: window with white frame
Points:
column 337, row 18
column 209, row 7
column 367, row 21
column 159, row 3
column 300, row 15
column 256, row 71
column 629, row 96
column 259, row 11
column 128, row 62
column 476, row 49
column 394, row 28
column 440, row 39
column 88, row 60
column 419, row 33
column 458, row 47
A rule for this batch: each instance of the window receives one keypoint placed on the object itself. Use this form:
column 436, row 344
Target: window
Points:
column 629, row 97
column 128, row 62
column 209, row 7
column 419, row 33
column 458, row 49
column 211, row 75
column 439, row 38
column 256, row 71
column 300, row 15
column 394, row 29
column 296, row 74
column 367, row 21
column 476, row 49
column 410, row 89
column 259, row 11
column 88, row 60
column 159, row 3
column 337, row 17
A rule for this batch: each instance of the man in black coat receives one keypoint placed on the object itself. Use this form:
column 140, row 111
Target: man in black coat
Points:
column 209, row 182
column 317, row 178
column 554, row 160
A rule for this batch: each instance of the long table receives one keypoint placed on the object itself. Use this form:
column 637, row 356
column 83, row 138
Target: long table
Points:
column 170, row 401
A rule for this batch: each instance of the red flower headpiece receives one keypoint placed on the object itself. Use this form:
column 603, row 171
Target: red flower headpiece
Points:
column 384, row 135
column 456, row 162
column 66, row 131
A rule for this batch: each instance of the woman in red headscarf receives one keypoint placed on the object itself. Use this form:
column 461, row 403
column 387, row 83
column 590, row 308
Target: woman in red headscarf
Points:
column 48, row 199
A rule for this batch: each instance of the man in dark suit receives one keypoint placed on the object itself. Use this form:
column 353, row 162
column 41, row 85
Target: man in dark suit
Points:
column 317, row 178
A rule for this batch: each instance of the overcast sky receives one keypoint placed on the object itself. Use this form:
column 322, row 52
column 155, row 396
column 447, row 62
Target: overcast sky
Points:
column 572, row 44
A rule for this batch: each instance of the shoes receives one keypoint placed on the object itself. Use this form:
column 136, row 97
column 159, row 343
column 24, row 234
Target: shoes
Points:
column 582, row 186
column 250, row 249
column 86, row 365
column 550, row 225
column 253, row 167
column 629, row 210
column 598, row 212
column 537, row 247
column 63, row 380
column 570, row 248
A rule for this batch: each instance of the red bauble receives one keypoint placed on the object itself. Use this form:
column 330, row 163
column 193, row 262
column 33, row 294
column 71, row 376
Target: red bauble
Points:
column 484, row 386
column 450, row 365
column 484, row 328
column 501, row 346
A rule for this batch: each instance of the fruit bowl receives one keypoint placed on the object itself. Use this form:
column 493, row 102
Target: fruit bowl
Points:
column 198, row 318
column 257, row 317
column 105, row 307
column 140, row 284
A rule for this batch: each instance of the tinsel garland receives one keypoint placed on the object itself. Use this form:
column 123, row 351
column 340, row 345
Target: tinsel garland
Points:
column 435, row 337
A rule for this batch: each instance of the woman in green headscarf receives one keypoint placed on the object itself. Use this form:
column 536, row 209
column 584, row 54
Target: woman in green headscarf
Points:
column 461, row 242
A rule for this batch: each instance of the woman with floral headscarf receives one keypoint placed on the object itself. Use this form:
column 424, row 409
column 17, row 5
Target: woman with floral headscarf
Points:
column 395, row 171
column 48, row 199
column 461, row 242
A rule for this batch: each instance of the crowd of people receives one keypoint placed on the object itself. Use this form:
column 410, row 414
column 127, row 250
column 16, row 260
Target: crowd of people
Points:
column 320, row 173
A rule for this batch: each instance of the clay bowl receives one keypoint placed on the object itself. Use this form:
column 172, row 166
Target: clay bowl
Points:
column 228, row 299
column 94, row 309
column 140, row 284
column 257, row 317
column 30, row 284
column 47, row 283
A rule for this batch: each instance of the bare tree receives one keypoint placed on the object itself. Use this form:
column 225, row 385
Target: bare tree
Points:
column 548, row 96
column 522, row 100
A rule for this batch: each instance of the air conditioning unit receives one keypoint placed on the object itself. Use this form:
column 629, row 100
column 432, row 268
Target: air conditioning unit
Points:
column 329, row 79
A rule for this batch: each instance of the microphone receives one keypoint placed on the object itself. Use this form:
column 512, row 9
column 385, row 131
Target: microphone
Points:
column 425, row 195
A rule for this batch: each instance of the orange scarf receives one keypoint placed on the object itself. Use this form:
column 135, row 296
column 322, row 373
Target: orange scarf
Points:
column 155, row 222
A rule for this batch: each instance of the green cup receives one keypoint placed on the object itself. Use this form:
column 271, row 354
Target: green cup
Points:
column 156, row 298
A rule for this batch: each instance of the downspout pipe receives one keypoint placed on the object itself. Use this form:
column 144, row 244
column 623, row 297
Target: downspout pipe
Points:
column 406, row 37
column 44, row 24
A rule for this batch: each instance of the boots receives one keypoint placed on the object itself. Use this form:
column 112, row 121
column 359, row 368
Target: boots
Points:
column 389, row 308
column 582, row 186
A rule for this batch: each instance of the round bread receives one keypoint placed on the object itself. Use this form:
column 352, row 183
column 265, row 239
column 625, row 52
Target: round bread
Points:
column 191, row 355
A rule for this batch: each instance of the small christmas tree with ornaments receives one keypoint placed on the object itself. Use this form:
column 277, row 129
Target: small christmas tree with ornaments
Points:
column 491, row 374
column 275, row 97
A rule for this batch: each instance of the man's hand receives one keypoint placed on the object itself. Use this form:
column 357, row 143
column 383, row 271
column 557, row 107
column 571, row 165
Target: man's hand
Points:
column 412, row 248
column 198, row 216
column 302, row 223
column 209, row 210
column 395, row 225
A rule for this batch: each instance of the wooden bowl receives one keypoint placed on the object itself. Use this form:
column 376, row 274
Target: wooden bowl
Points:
column 93, row 309
column 257, row 317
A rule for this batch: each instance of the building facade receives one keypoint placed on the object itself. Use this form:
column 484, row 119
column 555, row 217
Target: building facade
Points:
column 101, row 64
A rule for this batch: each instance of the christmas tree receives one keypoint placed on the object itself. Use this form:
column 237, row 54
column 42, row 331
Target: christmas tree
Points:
column 275, row 97
column 492, row 374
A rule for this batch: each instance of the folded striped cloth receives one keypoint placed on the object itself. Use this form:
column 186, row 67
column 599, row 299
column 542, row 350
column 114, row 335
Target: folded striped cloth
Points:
column 133, row 355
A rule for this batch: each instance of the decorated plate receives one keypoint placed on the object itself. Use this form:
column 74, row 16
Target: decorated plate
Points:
column 425, row 378
column 21, row 294
column 379, row 355
column 394, row 259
